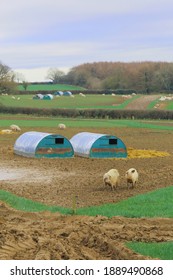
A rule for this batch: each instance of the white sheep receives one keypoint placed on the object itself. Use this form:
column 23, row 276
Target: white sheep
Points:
column 61, row 126
column 132, row 177
column 112, row 178
column 15, row 127
column 81, row 94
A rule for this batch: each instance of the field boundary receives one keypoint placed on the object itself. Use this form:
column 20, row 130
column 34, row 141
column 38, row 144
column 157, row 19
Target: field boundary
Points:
column 133, row 207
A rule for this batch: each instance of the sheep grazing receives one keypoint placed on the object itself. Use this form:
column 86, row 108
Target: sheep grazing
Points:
column 15, row 127
column 61, row 126
column 112, row 178
column 131, row 177
column 81, row 94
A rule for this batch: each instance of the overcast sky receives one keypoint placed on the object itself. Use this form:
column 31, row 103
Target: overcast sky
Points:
column 40, row 34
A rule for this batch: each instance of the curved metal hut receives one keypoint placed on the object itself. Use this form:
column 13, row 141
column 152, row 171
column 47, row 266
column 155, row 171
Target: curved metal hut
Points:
column 40, row 144
column 59, row 93
column 95, row 145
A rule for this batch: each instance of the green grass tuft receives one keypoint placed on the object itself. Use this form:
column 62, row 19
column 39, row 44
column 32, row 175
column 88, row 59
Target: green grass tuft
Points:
column 161, row 250
column 153, row 204
column 28, row 205
column 157, row 203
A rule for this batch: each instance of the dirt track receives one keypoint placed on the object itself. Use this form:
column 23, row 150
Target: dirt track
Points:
column 55, row 182
column 142, row 102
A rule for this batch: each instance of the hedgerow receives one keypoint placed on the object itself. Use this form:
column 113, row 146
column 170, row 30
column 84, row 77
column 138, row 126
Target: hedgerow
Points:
column 91, row 113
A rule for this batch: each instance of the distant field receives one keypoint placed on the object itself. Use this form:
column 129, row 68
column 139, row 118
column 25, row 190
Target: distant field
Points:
column 47, row 87
column 89, row 102
column 170, row 106
column 163, row 105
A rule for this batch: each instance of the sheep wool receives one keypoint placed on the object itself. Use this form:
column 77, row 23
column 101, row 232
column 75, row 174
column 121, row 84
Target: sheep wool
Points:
column 15, row 127
column 111, row 178
column 132, row 177
column 62, row 126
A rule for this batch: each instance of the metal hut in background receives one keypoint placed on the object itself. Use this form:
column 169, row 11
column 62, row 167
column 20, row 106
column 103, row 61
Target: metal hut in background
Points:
column 95, row 145
column 67, row 93
column 40, row 144
column 48, row 97
column 58, row 93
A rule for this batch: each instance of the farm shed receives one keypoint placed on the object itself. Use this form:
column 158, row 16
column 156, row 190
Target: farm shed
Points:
column 40, row 144
column 59, row 93
column 48, row 97
column 67, row 93
column 38, row 96
column 95, row 145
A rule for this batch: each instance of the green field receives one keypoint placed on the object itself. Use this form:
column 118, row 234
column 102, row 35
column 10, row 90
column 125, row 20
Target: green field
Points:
column 161, row 250
column 168, row 105
column 144, row 205
column 49, row 87
column 90, row 102
column 33, row 121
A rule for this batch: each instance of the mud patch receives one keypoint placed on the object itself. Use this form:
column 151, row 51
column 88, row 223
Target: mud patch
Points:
column 30, row 175
column 45, row 236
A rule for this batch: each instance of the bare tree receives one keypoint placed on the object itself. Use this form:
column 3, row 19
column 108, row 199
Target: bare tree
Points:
column 4, row 72
column 55, row 75
column 19, row 77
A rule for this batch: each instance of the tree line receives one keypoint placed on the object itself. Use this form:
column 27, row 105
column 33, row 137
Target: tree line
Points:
column 143, row 77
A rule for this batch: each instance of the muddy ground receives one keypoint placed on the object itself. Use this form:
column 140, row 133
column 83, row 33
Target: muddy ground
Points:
column 56, row 181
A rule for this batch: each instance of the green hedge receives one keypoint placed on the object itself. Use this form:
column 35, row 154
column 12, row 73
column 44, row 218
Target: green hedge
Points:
column 91, row 113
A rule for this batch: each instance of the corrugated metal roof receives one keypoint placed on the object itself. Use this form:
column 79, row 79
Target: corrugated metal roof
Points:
column 50, row 95
column 39, row 95
column 83, row 141
column 67, row 93
column 28, row 141
column 58, row 92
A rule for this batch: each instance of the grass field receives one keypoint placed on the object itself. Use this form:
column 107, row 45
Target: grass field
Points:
column 32, row 121
column 49, row 87
column 167, row 105
column 139, row 206
column 161, row 250
column 78, row 102
column 91, row 101
column 170, row 106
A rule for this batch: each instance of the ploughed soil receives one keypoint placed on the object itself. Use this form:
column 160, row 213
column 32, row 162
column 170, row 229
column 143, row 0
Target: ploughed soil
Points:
column 45, row 235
